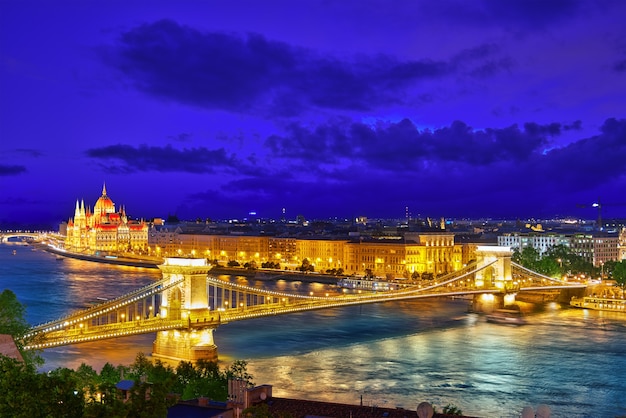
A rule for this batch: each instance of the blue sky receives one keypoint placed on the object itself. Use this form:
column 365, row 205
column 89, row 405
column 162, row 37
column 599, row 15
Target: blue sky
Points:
column 323, row 108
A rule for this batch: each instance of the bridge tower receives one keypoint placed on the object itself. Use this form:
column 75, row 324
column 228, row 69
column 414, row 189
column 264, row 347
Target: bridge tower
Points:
column 494, row 263
column 188, row 300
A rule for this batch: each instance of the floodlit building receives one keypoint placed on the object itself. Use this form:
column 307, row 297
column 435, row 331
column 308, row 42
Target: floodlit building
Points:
column 395, row 256
column 104, row 229
column 596, row 248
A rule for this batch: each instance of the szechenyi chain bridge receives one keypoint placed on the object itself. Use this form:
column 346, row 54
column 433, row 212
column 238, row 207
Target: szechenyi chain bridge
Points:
column 188, row 304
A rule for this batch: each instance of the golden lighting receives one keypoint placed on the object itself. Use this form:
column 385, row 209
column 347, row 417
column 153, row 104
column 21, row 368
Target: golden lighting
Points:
column 487, row 297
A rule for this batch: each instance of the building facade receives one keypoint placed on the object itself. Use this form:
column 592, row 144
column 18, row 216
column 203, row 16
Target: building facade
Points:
column 434, row 253
column 104, row 229
column 596, row 248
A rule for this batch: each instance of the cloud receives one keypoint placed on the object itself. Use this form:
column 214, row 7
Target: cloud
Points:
column 132, row 159
column 402, row 145
column 11, row 170
column 251, row 74
column 588, row 162
column 346, row 168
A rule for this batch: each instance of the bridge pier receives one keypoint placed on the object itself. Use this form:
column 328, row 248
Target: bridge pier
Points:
column 189, row 345
column 487, row 302
column 186, row 301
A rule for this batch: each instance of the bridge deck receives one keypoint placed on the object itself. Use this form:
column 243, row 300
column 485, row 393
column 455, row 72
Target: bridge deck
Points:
column 84, row 326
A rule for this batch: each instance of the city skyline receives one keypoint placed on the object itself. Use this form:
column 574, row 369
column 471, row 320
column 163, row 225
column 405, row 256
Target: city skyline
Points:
column 320, row 109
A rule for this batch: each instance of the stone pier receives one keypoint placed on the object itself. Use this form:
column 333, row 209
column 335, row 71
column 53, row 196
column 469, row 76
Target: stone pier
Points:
column 188, row 301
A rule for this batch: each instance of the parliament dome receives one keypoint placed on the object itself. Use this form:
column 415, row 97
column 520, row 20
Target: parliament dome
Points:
column 104, row 204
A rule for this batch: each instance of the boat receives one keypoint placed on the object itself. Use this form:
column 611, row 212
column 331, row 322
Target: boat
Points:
column 369, row 284
column 599, row 303
column 506, row 316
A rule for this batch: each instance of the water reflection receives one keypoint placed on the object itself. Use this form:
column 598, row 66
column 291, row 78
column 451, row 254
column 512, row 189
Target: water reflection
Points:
column 391, row 354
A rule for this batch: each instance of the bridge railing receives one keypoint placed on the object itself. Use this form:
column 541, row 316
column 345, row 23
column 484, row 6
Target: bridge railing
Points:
column 106, row 306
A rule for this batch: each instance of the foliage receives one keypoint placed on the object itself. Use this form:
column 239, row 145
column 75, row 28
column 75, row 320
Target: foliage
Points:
column 233, row 263
column 19, row 384
column 451, row 410
column 270, row 265
column 24, row 393
column 306, row 266
column 619, row 274
column 203, row 379
column 557, row 261
column 239, row 370
column 13, row 323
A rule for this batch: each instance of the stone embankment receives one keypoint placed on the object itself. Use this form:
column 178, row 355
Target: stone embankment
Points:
column 270, row 275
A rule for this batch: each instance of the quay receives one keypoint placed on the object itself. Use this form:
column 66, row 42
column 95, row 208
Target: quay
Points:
column 106, row 259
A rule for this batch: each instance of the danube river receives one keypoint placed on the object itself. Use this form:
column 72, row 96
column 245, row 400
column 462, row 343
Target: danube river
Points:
column 394, row 354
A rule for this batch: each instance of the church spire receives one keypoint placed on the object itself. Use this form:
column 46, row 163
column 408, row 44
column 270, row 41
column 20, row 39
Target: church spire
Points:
column 104, row 189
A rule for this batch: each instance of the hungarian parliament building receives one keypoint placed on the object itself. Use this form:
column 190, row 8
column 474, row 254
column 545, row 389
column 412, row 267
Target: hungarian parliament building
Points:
column 104, row 230
column 391, row 252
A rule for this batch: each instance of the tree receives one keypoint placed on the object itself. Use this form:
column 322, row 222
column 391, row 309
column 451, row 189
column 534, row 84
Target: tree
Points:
column 13, row 323
column 19, row 387
column 239, row 370
column 527, row 257
column 64, row 396
column 306, row 266
column 619, row 274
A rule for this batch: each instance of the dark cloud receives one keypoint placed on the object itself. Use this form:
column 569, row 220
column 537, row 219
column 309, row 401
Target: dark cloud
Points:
column 344, row 166
column 620, row 66
column 129, row 159
column 11, row 170
column 588, row 162
column 402, row 146
column 252, row 74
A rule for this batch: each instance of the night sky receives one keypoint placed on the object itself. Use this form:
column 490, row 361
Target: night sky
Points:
column 452, row 108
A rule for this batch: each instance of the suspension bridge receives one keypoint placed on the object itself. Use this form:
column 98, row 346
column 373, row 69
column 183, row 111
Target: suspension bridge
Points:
column 188, row 304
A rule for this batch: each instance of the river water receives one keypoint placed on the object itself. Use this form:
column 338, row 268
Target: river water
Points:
column 392, row 354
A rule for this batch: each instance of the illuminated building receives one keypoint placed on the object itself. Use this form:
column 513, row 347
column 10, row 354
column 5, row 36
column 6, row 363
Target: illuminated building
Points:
column 596, row 248
column 104, row 229
column 397, row 256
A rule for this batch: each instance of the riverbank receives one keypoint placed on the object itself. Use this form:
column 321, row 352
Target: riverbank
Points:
column 116, row 260
column 273, row 275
